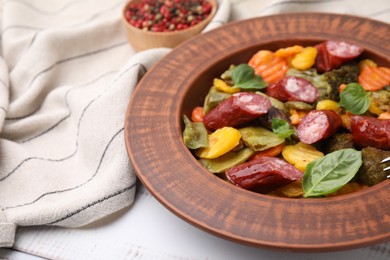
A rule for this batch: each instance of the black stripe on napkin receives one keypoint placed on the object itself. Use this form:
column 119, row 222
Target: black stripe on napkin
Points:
column 3, row 83
column 71, row 214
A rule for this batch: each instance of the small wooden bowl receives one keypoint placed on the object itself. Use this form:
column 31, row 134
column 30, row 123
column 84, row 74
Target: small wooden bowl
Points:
column 171, row 88
column 142, row 40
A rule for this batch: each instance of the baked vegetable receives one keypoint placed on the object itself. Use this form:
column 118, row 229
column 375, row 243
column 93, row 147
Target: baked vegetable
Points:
column 220, row 142
column 299, row 109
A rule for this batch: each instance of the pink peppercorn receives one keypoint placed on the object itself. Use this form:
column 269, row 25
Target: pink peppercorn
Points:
column 167, row 15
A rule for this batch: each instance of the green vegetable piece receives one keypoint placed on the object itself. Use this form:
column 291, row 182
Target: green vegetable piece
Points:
column 259, row 138
column 331, row 172
column 213, row 99
column 381, row 99
column 194, row 134
column 355, row 99
column 227, row 75
column 347, row 73
column 244, row 77
column 298, row 105
column 227, row 161
column 281, row 128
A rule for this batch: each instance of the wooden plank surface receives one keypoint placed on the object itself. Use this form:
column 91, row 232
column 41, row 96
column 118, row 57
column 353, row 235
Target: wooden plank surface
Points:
column 147, row 230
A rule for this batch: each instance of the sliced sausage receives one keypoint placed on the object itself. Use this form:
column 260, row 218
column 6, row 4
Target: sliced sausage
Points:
column 263, row 174
column 332, row 54
column 318, row 125
column 293, row 89
column 370, row 131
column 240, row 108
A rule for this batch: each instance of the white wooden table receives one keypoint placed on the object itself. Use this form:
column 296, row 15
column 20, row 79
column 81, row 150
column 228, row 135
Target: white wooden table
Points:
column 147, row 230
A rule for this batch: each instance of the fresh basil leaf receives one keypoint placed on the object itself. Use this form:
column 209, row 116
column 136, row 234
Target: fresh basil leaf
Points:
column 331, row 172
column 194, row 134
column 244, row 77
column 355, row 99
column 281, row 128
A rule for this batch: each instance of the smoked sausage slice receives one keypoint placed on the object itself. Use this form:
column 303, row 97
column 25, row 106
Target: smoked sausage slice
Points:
column 263, row 174
column 332, row 54
column 318, row 125
column 240, row 108
column 293, row 89
column 370, row 131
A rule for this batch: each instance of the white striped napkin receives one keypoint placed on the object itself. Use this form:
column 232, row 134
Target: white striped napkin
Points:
column 66, row 77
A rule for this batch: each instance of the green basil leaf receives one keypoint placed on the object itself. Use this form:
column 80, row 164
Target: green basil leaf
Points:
column 244, row 77
column 194, row 134
column 331, row 172
column 281, row 128
column 355, row 99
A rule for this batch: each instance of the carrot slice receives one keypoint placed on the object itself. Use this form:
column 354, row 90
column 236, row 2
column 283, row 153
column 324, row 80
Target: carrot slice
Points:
column 271, row 152
column 374, row 78
column 269, row 66
column 296, row 116
column 197, row 114
column 289, row 52
column 342, row 87
column 384, row 116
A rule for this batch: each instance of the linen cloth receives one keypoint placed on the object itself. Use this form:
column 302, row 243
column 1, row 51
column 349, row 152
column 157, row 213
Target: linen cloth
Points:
column 66, row 76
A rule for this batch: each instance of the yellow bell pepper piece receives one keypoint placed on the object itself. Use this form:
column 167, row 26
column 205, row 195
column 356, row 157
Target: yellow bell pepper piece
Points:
column 328, row 104
column 221, row 141
column 366, row 62
column 305, row 59
column 374, row 108
column 221, row 85
column 300, row 155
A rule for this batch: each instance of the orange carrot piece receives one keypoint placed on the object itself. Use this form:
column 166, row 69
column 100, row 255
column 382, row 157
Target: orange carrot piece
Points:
column 374, row 78
column 296, row 116
column 346, row 120
column 342, row 87
column 270, row 67
column 271, row 152
column 384, row 116
column 197, row 114
column 288, row 52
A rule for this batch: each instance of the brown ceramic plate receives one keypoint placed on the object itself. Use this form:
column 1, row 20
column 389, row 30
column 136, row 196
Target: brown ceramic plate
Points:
column 166, row 167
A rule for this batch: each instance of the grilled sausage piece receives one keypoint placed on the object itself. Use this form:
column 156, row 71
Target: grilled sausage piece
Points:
column 370, row 131
column 318, row 125
column 264, row 174
column 293, row 89
column 332, row 54
column 240, row 108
